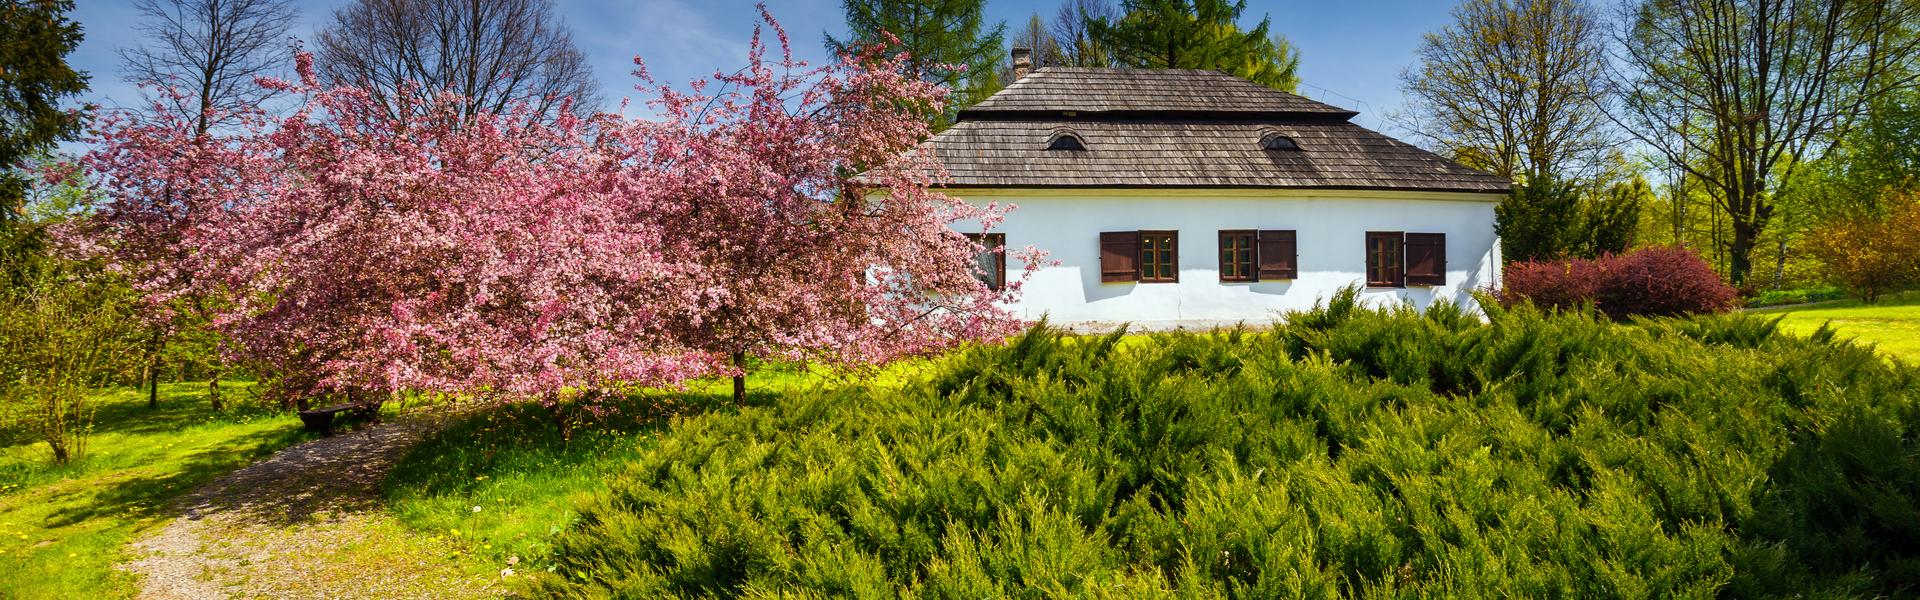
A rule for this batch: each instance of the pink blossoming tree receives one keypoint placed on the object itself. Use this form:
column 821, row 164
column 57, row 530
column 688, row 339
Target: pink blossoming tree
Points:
column 506, row 255
column 808, row 228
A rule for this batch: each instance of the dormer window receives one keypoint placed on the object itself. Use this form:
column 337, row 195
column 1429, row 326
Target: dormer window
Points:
column 1065, row 140
column 1275, row 141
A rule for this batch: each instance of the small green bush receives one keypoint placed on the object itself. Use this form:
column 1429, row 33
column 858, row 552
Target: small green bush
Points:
column 1348, row 453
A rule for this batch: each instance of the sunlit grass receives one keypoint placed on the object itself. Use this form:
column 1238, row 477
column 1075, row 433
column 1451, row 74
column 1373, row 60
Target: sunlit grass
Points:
column 62, row 528
column 1892, row 324
column 503, row 480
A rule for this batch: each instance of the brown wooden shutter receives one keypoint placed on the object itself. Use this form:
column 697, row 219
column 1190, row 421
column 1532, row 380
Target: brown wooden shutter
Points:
column 1426, row 259
column 1279, row 255
column 1119, row 255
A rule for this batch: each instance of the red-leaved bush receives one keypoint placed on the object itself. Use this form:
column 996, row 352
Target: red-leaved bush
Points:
column 1563, row 284
column 1660, row 281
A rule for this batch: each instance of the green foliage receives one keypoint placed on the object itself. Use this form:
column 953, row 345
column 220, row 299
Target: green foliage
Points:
column 64, row 527
column 948, row 41
column 34, row 79
column 61, row 337
column 1552, row 219
column 1198, row 34
column 1352, row 452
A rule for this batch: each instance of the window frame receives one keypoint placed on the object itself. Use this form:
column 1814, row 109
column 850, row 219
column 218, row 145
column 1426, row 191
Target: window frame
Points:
column 1398, row 254
column 1144, row 266
column 992, row 242
column 1250, row 248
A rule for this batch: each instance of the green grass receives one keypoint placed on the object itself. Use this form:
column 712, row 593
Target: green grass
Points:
column 1892, row 324
column 525, row 475
column 62, row 528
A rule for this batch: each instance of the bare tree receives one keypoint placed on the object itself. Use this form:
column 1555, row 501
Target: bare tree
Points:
column 1033, row 35
column 211, row 51
column 1739, row 93
column 1077, row 46
column 491, row 53
column 1515, row 88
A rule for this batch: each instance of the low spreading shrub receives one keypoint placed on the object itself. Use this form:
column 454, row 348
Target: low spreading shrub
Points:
column 1348, row 453
column 1660, row 281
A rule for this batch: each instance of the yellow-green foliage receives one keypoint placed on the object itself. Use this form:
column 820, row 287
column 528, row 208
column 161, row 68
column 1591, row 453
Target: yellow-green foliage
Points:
column 1351, row 453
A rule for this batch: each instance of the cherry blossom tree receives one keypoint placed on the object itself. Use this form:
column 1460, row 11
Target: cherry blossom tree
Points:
column 781, row 215
column 810, row 230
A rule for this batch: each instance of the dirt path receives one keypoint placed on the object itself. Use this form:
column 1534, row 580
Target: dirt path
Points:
column 305, row 523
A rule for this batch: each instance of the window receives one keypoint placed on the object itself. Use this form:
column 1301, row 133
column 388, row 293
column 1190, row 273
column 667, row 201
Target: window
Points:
column 1237, row 255
column 990, row 265
column 1384, row 259
column 1275, row 141
column 1397, row 259
column 1146, row 256
column 1065, row 140
column 1160, row 256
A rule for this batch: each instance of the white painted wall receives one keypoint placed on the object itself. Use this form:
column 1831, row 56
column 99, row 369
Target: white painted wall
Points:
column 1332, row 228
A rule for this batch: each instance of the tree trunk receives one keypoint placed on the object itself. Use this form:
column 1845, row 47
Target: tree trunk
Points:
column 740, row 378
column 153, row 368
column 1780, row 266
column 1740, row 254
column 213, row 392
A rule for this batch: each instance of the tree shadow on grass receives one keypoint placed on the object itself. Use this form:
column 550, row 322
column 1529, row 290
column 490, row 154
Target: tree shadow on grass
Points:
column 446, row 462
column 182, row 405
column 147, row 497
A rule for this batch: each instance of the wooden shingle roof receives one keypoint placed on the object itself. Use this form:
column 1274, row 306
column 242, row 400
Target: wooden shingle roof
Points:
column 1180, row 91
column 1179, row 128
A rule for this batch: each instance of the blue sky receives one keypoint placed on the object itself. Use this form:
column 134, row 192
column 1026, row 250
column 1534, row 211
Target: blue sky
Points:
column 1352, row 51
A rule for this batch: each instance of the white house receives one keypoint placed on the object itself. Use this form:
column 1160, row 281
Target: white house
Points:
column 1187, row 198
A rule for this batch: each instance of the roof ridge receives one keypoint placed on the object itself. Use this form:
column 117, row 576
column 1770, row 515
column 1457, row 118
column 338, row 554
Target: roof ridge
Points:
column 1145, row 90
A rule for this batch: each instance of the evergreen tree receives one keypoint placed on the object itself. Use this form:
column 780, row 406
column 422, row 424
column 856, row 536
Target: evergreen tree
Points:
column 947, row 42
column 35, row 38
column 1198, row 34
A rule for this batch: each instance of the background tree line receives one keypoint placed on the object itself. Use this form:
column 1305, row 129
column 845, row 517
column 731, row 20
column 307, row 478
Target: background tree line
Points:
column 1736, row 128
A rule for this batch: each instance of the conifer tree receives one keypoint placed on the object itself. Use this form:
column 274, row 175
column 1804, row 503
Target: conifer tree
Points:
column 1198, row 34
column 35, row 38
column 948, row 42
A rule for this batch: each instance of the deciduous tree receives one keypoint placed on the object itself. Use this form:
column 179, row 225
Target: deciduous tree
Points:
column 493, row 54
column 1514, row 88
column 526, row 253
column 211, row 51
column 1739, row 93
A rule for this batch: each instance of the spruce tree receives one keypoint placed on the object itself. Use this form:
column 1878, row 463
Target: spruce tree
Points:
column 35, row 38
column 1198, row 34
column 948, row 42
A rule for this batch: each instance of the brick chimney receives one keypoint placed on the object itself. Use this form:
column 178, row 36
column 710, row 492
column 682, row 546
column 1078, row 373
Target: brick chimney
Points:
column 1022, row 62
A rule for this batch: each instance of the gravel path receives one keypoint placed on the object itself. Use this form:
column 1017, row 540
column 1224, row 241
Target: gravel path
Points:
column 305, row 523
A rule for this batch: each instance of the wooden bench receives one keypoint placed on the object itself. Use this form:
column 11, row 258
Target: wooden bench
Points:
column 321, row 419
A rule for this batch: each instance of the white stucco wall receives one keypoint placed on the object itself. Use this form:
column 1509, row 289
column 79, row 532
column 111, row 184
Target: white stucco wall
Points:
column 1331, row 228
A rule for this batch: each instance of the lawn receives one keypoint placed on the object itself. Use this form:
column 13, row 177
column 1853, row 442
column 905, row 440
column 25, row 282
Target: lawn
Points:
column 62, row 528
column 505, row 479
column 1892, row 324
